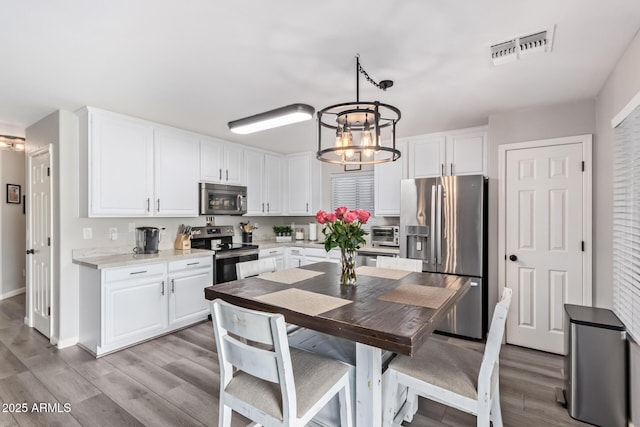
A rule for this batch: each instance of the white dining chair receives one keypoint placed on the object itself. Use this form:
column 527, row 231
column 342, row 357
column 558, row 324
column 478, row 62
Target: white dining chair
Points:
column 454, row 376
column 267, row 381
column 398, row 263
column 253, row 268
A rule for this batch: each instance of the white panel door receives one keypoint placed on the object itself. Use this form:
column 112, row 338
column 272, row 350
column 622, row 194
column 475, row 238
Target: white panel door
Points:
column 427, row 157
column 299, row 181
column 233, row 164
column 211, row 160
column 186, row 297
column 544, row 202
column 121, row 165
column 387, row 183
column 39, row 243
column 176, row 174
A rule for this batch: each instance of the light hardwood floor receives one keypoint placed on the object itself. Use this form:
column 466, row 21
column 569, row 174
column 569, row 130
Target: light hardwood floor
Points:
column 173, row 381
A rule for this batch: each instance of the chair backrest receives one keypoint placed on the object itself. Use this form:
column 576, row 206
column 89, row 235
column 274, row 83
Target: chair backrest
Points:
column 253, row 268
column 488, row 376
column 269, row 359
column 397, row 263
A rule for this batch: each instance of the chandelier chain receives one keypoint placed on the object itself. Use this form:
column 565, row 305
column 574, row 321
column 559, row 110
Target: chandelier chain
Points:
column 369, row 79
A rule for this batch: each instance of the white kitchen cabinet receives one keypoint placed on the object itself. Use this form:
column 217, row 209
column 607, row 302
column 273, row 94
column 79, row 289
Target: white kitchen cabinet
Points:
column 122, row 306
column 221, row 162
column 176, row 180
column 460, row 152
column 186, row 282
column 277, row 253
column 263, row 177
column 116, row 163
column 294, row 257
column 135, row 168
column 387, row 183
column 304, row 180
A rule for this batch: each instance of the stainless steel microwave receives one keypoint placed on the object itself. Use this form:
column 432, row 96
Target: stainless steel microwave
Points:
column 385, row 235
column 220, row 199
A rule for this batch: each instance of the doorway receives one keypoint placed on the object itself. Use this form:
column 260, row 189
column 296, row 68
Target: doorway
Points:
column 545, row 236
column 39, row 234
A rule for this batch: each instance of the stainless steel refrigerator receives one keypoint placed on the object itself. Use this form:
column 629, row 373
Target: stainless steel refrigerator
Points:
column 443, row 222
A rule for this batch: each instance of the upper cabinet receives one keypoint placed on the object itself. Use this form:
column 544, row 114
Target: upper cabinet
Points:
column 304, row 184
column 387, row 183
column 221, row 162
column 263, row 173
column 461, row 152
column 134, row 168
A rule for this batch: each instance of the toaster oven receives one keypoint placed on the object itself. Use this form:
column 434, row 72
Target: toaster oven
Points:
column 385, row 235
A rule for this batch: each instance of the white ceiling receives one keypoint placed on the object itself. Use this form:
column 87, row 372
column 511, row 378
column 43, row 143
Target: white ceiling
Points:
column 198, row 64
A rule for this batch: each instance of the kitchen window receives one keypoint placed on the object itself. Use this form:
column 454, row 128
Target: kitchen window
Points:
column 355, row 190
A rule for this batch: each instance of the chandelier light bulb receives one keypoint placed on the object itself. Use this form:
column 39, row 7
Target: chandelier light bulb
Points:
column 365, row 142
column 338, row 143
column 347, row 142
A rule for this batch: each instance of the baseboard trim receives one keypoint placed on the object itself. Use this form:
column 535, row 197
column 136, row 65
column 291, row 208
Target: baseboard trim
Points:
column 13, row 293
column 66, row 342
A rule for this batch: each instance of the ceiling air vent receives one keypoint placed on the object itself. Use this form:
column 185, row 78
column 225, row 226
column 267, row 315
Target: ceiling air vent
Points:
column 514, row 49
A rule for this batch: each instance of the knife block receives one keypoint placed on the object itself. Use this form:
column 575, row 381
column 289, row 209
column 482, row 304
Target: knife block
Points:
column 183, row 242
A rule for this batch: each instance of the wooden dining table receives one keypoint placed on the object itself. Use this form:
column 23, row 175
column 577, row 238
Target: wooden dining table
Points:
column 383, row 311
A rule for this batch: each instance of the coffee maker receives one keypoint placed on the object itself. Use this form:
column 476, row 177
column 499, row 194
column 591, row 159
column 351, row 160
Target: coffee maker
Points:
column 147, row 239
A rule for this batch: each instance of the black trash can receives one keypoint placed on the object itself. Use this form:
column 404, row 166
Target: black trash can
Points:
column 595, row 368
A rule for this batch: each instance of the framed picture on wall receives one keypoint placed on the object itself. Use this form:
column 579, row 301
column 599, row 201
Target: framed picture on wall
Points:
column 354, row 157
column 13, row 194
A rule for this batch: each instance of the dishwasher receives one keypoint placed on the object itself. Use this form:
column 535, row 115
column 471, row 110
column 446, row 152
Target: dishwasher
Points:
column 369, row 258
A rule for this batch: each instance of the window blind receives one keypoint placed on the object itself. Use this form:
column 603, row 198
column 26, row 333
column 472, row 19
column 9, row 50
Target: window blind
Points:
column 354, row 190
column 626, row 223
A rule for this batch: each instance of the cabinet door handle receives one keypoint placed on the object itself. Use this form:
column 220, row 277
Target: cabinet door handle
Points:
column 158, row 205
column 220, row 178
column 148, row 204
column 173, row 286
column 307, row 206
column 162, row 289
column 267, row 206
column 273, row 252
column 263, row 207
column 227, row 175
column 441, row 169
column 138, row 272
column 193, row 263
column 451, row 168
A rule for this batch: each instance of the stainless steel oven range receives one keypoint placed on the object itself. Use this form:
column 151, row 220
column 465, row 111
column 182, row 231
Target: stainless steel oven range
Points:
column 228, row 254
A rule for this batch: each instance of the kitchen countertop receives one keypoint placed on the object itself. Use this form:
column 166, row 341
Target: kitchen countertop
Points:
column 268, row 244
column 129, row 259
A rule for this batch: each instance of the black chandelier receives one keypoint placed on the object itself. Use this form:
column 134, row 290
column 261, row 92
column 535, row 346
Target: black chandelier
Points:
column 375, row 122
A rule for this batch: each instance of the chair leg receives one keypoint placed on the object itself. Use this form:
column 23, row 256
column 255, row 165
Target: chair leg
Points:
column 389, row 397
column 412, row 402
column 496, row 412
column 346, row 414
column 224, row 415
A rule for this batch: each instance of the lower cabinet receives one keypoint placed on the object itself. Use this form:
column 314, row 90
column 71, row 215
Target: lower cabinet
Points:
column 123, row 306
column 277, row 253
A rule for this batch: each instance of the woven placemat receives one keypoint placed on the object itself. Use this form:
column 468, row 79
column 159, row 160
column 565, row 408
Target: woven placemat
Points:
column 384, row 273
column 419, row 295
column 290, row 275
column 305, row 302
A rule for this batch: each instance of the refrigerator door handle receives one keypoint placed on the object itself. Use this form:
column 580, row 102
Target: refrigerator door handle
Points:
column 438, row 234
column 432, row 252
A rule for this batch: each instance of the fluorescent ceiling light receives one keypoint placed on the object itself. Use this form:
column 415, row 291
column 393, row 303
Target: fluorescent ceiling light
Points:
column 271, row 119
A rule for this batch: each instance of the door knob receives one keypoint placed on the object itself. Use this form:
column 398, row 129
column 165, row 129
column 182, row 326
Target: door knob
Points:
column 513, row 257
column 30, row 251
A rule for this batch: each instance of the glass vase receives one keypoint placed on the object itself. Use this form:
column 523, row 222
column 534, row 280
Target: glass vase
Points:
column 348, row 263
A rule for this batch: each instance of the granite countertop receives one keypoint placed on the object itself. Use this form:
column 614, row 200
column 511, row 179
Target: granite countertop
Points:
column 268, row 244
column 129, row 259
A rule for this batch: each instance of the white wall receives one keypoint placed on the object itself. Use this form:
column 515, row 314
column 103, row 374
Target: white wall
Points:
column 12, row 221
column 622, row 85
column 550, row 121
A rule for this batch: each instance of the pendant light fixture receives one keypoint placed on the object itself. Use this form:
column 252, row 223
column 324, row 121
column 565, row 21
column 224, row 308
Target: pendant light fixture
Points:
column 359, row 128
column 293, row 113
column 13, row 143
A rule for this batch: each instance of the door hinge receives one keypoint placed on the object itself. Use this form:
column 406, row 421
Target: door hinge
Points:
column 583, row 246
column 48, row 241
column 48, row 311
column 48, row 171
column 583, row 166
